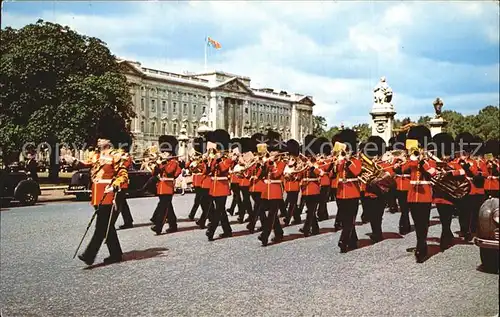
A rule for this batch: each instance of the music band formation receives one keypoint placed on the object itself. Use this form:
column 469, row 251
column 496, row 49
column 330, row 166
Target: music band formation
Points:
column 272, row 185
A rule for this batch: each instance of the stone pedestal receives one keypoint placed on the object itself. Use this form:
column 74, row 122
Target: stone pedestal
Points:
column 383, row 120
column 437, row 125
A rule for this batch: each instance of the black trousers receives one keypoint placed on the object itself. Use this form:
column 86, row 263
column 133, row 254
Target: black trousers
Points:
column 364, row 214
column 404, row 220
column 237, row 201
column 101, row 226
column 493, row 193
column 123, row 208
column 333, row 194
column 445, row 216
column 420, row 213
column 165, row 213
column 338, row 216
column 375, row 212
column 197, row 202
column 282, row 208
column 311, row 225
column 271, row 222
column 348, row 210
column 323, row 200
column 258, row 211
column 218, row 215
column 291, row 205
column 246, row 203
column 206, row 202
column 469, row 212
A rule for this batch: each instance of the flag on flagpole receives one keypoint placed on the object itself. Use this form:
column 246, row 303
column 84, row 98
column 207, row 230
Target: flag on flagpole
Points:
column 213, row 43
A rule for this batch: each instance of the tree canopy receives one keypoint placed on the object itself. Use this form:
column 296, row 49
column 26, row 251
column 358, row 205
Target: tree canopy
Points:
column 59, row 86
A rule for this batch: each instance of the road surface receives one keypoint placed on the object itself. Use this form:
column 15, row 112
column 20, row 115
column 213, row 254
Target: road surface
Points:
column 182, row 274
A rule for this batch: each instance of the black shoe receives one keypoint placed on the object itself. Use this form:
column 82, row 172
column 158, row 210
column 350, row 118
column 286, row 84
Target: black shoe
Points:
column 240, row 219
column 375, row 238
column 343, row 248
column 229, row 211
column 114, row 259
column 210, row 236
column 315, row 233
column 263, row 240
column 191, row 217
column 468, row 237
column 171, row 230
column 296, row 222
column 152, row 220
column 404, row 231
column 126, row 226
column 200, row 224
column 225, row 235
column 420, row 257
column 153, row 228
column 85, row 260
column 246, row 220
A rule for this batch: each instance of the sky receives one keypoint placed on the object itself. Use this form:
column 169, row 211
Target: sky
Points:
column 335, row 51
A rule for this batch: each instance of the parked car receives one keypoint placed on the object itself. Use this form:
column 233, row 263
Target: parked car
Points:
column 488, row 235
column 17, row 186
column 80, row 184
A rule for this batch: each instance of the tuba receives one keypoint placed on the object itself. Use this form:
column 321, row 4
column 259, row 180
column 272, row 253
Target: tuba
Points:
column 375, row 177
column 452, row 187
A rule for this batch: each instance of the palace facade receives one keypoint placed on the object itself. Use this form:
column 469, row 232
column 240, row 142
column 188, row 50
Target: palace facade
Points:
column 167, row 102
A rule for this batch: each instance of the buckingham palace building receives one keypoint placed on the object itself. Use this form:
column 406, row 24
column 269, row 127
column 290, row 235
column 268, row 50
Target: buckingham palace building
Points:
column 167, row 102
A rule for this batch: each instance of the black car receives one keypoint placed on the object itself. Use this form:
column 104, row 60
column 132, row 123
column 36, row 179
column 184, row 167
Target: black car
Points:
column 80, row 184
column 18, row 186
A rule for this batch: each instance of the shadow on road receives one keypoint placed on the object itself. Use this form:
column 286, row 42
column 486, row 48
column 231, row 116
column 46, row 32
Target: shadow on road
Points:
column 134, row 256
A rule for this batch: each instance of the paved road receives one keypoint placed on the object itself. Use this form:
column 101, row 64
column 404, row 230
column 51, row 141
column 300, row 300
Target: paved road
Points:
column 182, row 274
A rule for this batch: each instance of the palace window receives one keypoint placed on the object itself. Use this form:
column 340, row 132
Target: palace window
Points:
column 174, row 107
column 275, row 118
column 194, row 109
column 142, row 126
column 153, row 105
column 195, row 127
column 164, row 128
column 143, row 91
column 204, row 109
column 153, row 128
column 254, row 116
column 261, row 117
column 164, row 106
column 246, row 110
column 185, row 109
column 268, row 117
column 175, row 128
column 142, row 104
column 153, row 91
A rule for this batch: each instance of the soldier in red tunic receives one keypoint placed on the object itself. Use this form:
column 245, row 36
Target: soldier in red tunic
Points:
column 292, row 188
column 121, row 196
column 491, row 184
column 235, row 190
column 310, row 183
column 272, row 195
column 194, row 167
column 108, row 174
column 348, row 169
column 420, row 192
column 168, row 170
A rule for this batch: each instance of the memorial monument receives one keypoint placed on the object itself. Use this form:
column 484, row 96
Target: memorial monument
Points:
column 438, row 122
column 382, row 111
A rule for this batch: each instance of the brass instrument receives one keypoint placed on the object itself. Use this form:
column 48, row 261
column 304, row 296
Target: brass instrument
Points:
column 375, row 177
column 450, row 186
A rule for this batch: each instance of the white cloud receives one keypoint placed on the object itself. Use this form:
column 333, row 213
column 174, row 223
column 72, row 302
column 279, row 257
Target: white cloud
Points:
column 335, row 51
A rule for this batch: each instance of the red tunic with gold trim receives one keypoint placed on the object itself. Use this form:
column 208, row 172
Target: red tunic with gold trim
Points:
column 169, row 171
column 420, row 186
column 256, row 183
column 219, row 169
column 272, row 181
column 106, row 169
column 474, row 170
column 492, row 181
column 310, row 181
column 325, row 178
column 402, row 177
column 348, row 182
column 291, row 179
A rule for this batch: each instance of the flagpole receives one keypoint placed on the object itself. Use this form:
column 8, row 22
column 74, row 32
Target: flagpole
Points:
column 206, row 53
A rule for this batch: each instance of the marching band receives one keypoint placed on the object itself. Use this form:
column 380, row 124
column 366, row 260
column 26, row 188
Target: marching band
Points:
column 271, row 184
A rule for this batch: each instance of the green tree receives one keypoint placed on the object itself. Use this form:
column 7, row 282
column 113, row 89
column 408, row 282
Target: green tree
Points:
column 319, row 125
column 363, row 130
column 487, row 123
column 331, row 132
column 58, row 86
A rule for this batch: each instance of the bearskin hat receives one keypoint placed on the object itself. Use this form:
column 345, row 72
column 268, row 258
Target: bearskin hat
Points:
column 443, row 143
column 168, row 143
column 293, row 147
column 477, row 146
column 349, row 138
column 324, row 146
column 463, row 142
column 492, row 146
column 198, row 144
column 399, row 141
column 375, row 146
column 420, row 133
column 221, row 138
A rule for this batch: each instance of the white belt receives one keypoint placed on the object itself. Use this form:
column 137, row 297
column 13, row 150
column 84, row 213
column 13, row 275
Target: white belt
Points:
column 310, row 179
column 493, row 177
column 103, row 181
column 420, row 182
column 347, row 180
column 403, row 175
column 219, row 178
column 197, row 174
column 163, row 179
column 272, row 181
